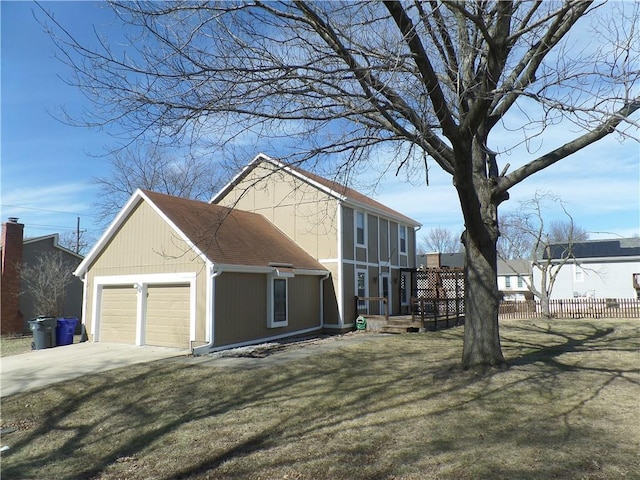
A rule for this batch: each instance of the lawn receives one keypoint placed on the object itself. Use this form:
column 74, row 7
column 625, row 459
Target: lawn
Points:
column 396, row 407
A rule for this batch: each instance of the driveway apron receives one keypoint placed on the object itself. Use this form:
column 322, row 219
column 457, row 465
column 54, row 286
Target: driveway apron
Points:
column 39, row 368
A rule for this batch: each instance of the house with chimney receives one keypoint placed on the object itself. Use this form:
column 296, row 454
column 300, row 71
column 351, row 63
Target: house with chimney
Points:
column 17, row 305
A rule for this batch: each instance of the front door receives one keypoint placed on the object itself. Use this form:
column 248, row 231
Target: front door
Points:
column 386, row 293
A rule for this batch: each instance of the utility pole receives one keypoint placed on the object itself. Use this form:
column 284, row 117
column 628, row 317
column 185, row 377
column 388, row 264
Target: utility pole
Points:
column 78, row 234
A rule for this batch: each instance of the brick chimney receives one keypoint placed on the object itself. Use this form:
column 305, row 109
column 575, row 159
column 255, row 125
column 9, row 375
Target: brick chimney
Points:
column 11, row 319
column 433, row 260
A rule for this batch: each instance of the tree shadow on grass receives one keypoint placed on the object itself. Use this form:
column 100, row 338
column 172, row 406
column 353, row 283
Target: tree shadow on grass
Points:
column 342, row 397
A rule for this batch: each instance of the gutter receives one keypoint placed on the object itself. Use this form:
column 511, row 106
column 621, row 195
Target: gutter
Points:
column 326, row 276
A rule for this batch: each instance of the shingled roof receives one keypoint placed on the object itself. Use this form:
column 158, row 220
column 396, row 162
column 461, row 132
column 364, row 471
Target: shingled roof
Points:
column 233, row 237
column 333, row 188
column 619, row 247
column 223, row 235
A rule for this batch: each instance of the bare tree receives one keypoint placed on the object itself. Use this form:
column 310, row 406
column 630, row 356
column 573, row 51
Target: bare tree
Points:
column 439, row 239
column 565, row 231
column 46, row 280
column 77, row 241
column 333, row 82
column 153, row 169
column 549, row 248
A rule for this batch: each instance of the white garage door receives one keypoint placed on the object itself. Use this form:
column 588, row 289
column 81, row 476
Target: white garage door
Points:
column 167, row 319
column 118, row 314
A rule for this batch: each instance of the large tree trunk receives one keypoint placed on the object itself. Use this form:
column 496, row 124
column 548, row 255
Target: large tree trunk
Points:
column 480, row 238
column 481, row 332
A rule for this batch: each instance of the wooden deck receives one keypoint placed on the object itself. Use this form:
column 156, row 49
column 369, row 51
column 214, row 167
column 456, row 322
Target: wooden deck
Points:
column 406, row 324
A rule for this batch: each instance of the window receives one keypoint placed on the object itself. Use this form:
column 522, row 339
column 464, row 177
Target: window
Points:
column 277, row 302
column 520, row 282
column 360, row 228
column 403, row 239
column 361, row 288
column 507, row 281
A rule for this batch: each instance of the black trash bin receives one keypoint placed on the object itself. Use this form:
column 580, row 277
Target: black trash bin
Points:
column 44, row 332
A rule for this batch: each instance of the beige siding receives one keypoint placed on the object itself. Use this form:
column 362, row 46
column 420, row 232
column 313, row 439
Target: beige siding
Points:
column 241, row 307
column 118, row 320
column 348, row 233
column 167, row 319
column 146, row 244
column 300, row 210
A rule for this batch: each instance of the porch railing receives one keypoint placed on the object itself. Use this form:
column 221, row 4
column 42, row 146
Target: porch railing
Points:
column 372, row 307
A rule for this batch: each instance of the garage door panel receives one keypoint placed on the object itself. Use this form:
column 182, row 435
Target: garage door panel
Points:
column 168, row 316
column 118, row 314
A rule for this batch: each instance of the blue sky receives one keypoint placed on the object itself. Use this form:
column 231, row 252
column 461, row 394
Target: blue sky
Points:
column 47, row 167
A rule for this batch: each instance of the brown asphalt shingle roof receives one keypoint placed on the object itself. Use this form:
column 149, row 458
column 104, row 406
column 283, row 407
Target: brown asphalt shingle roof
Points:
column 229, row 236
column 353, row 195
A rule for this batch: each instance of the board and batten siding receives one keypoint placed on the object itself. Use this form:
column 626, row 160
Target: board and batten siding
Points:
column 304, row 213
column 242, row 316
column 143, row 245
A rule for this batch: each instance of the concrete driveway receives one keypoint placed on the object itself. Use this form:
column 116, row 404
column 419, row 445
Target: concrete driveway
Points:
column 20, row 373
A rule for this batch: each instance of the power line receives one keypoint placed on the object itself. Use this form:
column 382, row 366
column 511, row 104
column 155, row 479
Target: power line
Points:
column 51, row 211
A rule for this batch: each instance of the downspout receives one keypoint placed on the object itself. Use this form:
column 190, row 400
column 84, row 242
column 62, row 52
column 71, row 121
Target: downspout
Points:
column 211, row 310
column 84, row 337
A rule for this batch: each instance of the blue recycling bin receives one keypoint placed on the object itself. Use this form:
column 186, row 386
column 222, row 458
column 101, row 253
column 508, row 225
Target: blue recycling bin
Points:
column 65, row 329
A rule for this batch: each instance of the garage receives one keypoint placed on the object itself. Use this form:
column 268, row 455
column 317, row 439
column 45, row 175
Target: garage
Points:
column 167, row 316
column 165, row 313
column 118, row 318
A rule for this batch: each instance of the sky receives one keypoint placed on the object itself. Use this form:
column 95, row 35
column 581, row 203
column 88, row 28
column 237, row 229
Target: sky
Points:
column 48, row 167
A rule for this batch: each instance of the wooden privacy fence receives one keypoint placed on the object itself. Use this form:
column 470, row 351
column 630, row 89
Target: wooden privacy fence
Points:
column 574, row 308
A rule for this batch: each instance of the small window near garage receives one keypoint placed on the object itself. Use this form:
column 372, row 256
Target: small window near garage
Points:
column 278, row 303
column 360, row 232
column 403, row 239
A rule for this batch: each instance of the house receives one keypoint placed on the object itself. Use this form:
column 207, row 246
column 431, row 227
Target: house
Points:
column 17, row 302
column 512, row 279
column 361, row 242
column 182, row 273
column 441, row 260
column 597, row 269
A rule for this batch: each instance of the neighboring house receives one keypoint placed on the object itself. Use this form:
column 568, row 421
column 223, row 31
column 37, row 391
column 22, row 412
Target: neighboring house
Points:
column 512, row 279
column 17, row 303
column 598, row 269
column 363, row 243
column 441, row 260
column 182, row 273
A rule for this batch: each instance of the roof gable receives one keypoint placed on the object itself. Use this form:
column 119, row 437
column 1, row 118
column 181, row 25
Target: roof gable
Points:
column 219, row 235
column 330, row 187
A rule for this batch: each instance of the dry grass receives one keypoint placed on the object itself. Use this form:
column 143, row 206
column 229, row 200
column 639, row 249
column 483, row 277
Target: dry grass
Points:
column 396, row 407
column 18, row 344
column 15, row 344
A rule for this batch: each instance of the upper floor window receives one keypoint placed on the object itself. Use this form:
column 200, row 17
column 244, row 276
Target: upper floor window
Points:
column 360, row 232
column 578, row 273
column 403, row 239
column 520, row 282
column 507, row 281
